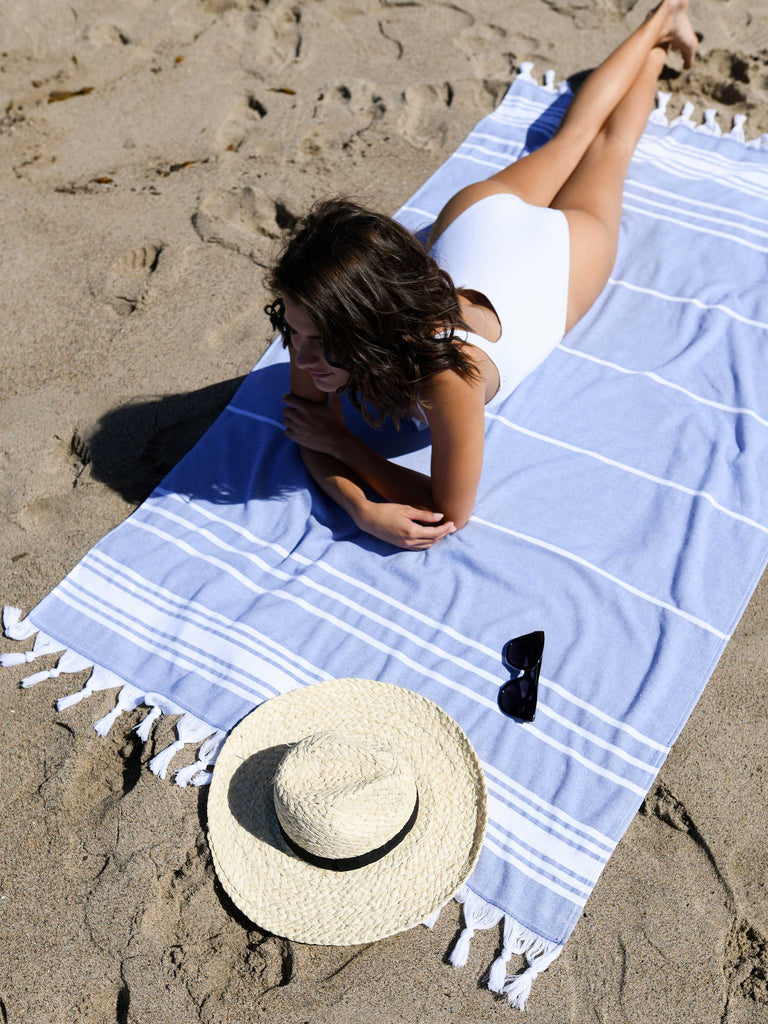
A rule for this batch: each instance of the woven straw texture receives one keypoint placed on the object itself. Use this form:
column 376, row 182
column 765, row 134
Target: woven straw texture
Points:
column 285, row 895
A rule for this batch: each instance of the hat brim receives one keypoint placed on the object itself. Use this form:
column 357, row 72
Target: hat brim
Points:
column 284, row 894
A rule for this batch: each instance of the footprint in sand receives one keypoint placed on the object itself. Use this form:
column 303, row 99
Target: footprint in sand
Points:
column 421, row 119
column 242, row 220
column 127, row 277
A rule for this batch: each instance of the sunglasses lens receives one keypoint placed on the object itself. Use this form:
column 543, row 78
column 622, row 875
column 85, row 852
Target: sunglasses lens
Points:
column 517, row 698
column 524, row 651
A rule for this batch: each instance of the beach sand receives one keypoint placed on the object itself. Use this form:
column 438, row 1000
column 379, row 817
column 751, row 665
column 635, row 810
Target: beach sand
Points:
column 152, row 153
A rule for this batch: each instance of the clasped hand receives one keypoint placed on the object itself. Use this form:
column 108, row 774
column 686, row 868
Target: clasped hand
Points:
column 319, row 426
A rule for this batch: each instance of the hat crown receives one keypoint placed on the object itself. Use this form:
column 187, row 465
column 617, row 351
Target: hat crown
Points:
column 338, row 798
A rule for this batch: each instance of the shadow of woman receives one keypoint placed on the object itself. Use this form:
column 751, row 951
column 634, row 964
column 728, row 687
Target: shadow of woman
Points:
column 224, row 444
column 134, row 446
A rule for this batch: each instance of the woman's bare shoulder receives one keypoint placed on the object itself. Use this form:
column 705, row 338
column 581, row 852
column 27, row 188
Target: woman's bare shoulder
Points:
column 448, row 392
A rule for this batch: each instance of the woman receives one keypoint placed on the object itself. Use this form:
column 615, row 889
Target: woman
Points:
column 363, row 308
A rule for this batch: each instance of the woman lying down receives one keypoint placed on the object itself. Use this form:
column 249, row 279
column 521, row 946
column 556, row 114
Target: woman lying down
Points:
column 511, row 264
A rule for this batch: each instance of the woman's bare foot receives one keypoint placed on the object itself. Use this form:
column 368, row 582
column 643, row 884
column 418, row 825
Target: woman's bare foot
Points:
column 676, row 29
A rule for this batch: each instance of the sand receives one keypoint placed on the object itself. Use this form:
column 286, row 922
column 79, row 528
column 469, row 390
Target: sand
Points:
column 152, row 153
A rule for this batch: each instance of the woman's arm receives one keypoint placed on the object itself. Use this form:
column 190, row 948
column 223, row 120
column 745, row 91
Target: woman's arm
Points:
column 331, row 452
column 315, row 421
column 455, row 409
column 322, row 429
column 400, row 524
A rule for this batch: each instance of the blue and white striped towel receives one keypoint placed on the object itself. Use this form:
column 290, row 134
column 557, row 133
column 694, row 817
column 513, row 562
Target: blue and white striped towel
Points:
column 622, row 509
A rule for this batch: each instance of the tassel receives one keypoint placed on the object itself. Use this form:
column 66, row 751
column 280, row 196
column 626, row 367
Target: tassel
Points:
column 16, row 658
column 685, row 116
column 159, row 705
column 187, row 774
column 524, row 74
column 477, row 914
column 519, row 987
column 14, row 627
column 549, row 81
column 44, row 644
column 70, row 661
column 128, row 699
column 38, row 677
column 737, row 131
column 659, row 115
column 189, row 730
column 431, row 920
column 207, row 755
column 144, row 727
column 710, row 126
column 514, row 942
column 100, row 679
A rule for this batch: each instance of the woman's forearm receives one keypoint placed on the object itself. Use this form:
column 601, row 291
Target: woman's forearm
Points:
column 394, row 483
column 338, row 481
column 401, row 524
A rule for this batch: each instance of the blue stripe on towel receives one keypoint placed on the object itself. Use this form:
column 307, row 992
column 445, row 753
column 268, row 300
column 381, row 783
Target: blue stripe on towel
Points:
column 622, row 509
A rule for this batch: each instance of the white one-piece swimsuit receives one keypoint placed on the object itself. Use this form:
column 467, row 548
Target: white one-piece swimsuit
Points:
column 518, row 257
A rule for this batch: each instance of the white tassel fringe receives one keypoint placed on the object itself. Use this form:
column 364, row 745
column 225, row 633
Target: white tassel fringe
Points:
column 710, row 126
column 685, row 116
column 14, row 627
column 431, row 921
column 524, row 72
column 128, row 699
column 659, row 115
column 516, row 940
column 12, row 658
column 197, row 773
column 737, row 131
column 159, row 705
column 539, row 952
column 477, row 914
column 144, row 728
column 519, row 987
column 70, row 661
column 189, row 730
column 100, row 679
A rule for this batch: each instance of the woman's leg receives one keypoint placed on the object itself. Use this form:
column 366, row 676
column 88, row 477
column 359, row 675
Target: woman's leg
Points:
column 591, row 198
column 538, row 177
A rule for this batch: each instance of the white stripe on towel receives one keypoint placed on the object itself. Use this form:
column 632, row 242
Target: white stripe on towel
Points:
column 629, row 469
column 735, row 410
column 434, row 624
column 195, row 613
column 137, row 633
column 526, row 538
column 685, row 299
column 533, row 804
column 327, row 617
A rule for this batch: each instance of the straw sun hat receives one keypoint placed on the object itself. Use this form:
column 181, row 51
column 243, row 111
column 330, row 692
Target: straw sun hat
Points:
column 345, row 811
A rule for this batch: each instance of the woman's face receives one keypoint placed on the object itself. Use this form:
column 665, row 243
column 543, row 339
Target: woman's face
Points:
column 307, row 346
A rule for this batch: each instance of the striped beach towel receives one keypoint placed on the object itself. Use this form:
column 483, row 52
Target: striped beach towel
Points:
column 622, row 510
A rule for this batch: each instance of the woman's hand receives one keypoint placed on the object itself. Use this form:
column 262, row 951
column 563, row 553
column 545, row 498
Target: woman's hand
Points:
column 318, row 426
column 403, row 525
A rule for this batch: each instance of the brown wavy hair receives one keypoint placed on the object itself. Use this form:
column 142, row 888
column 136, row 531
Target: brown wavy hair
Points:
column 386, row 312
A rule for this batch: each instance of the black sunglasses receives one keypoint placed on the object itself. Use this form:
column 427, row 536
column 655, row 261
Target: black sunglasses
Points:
column 522, row 656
